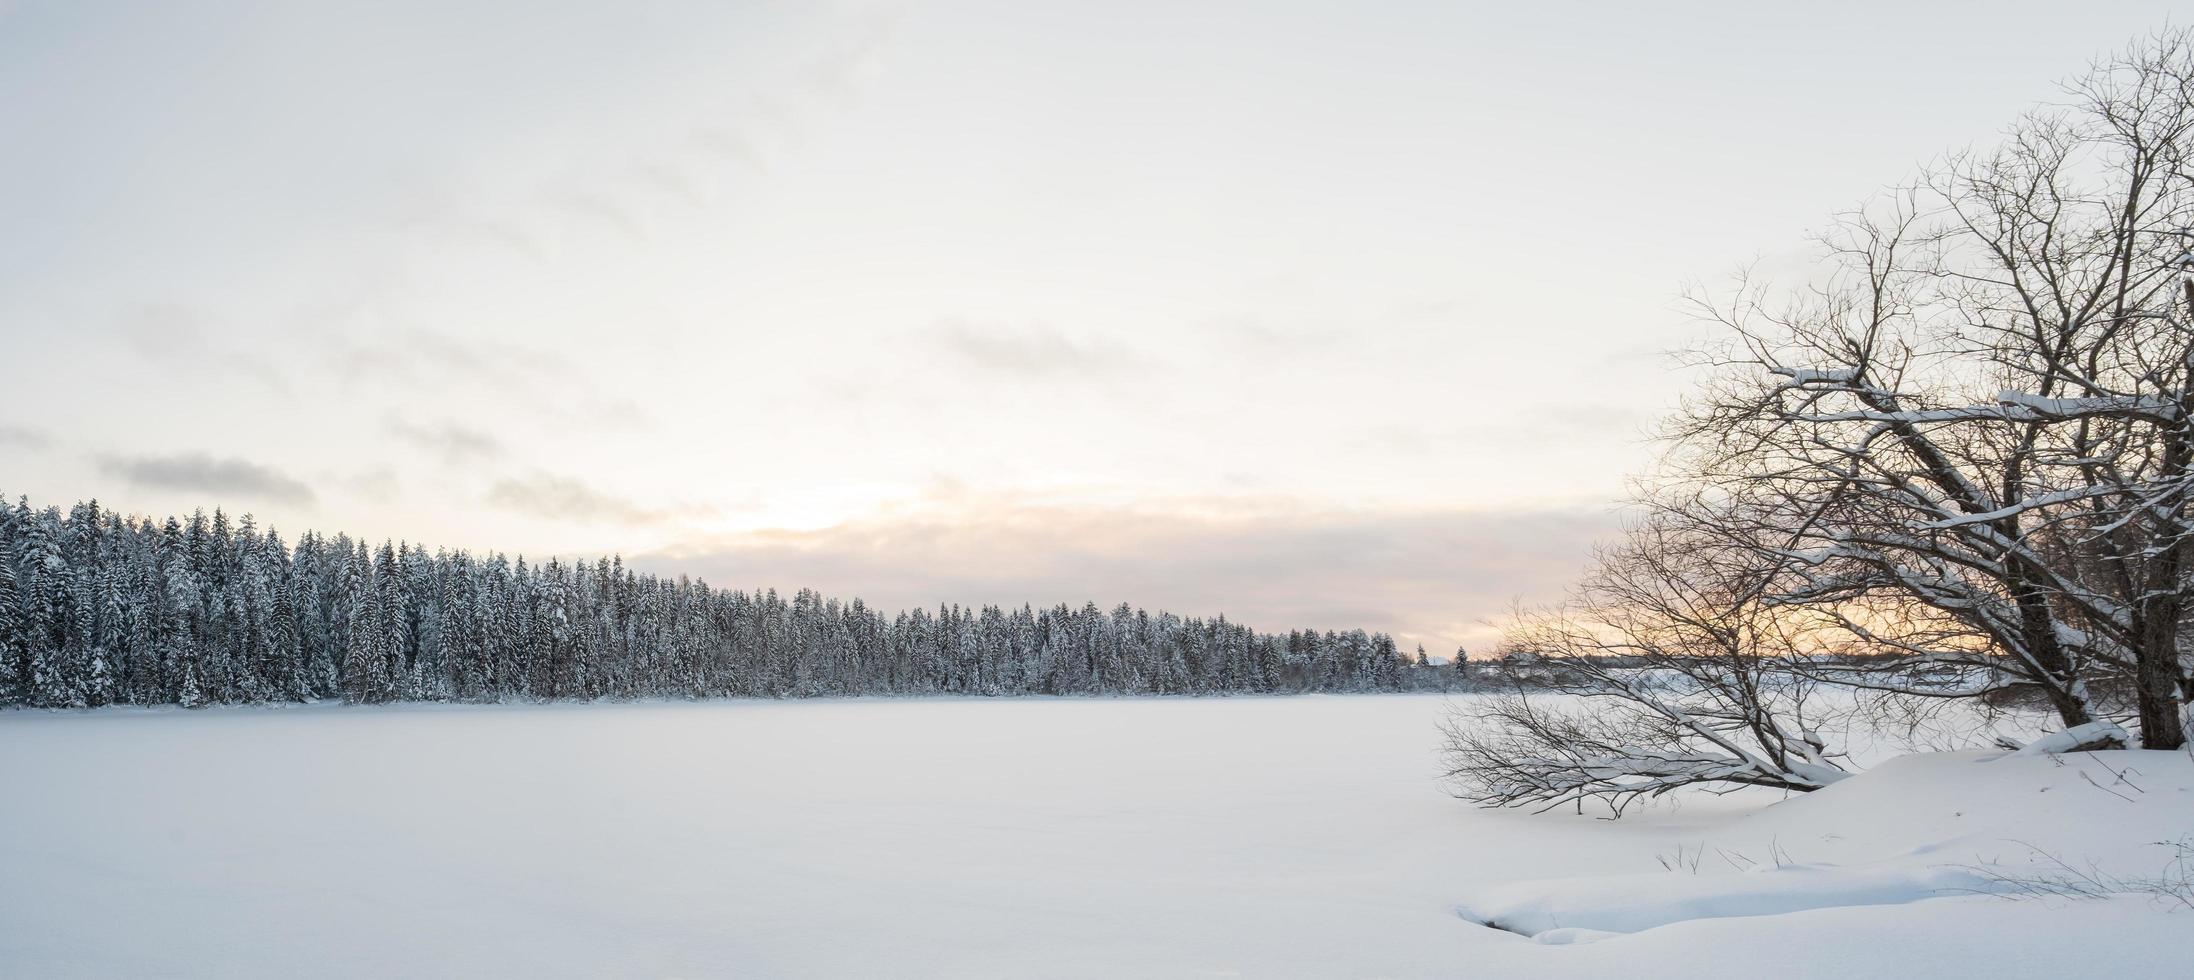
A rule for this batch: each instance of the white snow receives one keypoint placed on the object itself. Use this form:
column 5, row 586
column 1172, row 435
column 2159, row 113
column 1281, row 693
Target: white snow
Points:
column 1256, row 837
column 1908, row 864
column 2092, row 733
column 1614, row 904
column 1814, row 376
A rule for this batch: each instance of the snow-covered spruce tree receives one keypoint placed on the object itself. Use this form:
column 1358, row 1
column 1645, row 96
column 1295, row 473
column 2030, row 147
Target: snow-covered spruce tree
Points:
column 47, row 584
column 364, row 657
column 110, row 641
column 14, row 640
column 177, row 633
column 1976, row 423
column 1673, row 672
column 286, row 665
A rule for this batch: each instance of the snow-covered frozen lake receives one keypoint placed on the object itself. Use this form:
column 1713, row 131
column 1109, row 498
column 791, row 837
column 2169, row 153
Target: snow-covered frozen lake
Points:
column 1257, row 837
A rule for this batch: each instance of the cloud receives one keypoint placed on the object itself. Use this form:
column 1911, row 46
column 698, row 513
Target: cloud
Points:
column 843, row 70
column 378, row 483
column 432, row 357
column 21, row 437
column 733, row 145
column 200, row 472
column 1252, row 335
column 452, row 443
column 566, row 499
column 160, row 331
column 169, row 335
column 1577, row 424
column 1030, row 350
column 435, row 360
column 602, row 209
column 1433, row 577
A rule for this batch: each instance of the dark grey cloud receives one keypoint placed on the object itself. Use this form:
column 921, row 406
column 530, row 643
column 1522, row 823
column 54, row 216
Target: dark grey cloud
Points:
column 565, row 499
column 22, row 437
column 1030, row 350
column 453, row 443
column 1431, row 577
column 199, row 472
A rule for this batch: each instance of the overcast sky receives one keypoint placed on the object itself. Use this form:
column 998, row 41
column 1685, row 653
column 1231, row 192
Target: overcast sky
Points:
column 1335, row 315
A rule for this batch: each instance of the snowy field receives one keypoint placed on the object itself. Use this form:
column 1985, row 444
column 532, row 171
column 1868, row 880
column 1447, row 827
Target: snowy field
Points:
column 1254, row 837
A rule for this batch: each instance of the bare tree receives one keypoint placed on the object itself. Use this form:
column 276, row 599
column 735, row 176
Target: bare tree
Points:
column 1677, row 672
column 1956, row 462
column 1971, row 438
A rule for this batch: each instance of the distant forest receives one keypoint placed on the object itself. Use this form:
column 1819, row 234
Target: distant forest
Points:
column 97, row 608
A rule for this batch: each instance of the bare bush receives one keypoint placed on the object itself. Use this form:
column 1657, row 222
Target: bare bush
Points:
column 2054, row 877
column 1674, row 672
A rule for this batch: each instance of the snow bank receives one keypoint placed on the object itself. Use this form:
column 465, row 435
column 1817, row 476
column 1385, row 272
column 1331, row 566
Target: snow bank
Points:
column 1989, row 809
column 1614, row 904
column 1894, row 867
column 1943, row 938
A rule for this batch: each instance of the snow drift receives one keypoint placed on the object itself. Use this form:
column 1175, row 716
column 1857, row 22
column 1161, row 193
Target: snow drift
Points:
column 1946, row 839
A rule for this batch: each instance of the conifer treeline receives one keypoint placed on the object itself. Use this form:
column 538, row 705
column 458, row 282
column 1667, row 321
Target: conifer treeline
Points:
column 97, row 609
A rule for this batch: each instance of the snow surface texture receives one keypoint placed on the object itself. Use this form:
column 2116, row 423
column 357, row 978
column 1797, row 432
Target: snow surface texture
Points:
column 1255, row 837
column 1612, row 905
column 1908, row 862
